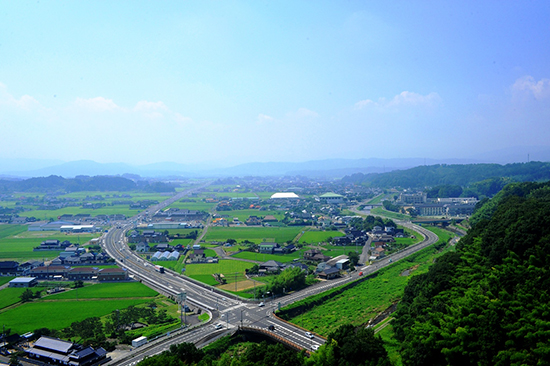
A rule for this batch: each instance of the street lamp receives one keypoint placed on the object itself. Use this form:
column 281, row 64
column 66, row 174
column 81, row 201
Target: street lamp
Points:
column 242, row 317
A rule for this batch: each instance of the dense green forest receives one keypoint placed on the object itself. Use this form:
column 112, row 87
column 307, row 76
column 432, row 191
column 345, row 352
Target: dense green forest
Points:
column 82, row 183
column 488, row 302
column 484, row 179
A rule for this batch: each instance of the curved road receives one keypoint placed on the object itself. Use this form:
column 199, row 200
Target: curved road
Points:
column 228, row 311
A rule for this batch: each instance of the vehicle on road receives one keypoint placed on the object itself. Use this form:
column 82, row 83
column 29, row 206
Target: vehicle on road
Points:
column 271, row 327
column 308, row 334
column 315, row 347
column 261, row 304
column 218, row 326
column 159, row 269
column 360, row 273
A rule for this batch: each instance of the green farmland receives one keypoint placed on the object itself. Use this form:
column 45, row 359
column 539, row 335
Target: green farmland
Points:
column 18, row 244
column 262, row 257
column 106, row 290
column 60, row 314
column 253, row 234
column 314, row 237
column 60, row 310
column 225, row 266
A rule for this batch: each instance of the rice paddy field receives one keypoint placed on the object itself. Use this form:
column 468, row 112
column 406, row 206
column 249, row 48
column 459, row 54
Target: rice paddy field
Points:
column 60, row 310
column 226, row 266
column 262, row 257
column 16, row 243
column 253, row 234
column 314, row 237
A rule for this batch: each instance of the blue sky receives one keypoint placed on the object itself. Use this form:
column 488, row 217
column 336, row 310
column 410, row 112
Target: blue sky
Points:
column 228, row 82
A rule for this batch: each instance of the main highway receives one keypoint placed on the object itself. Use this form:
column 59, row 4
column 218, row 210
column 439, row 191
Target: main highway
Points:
column 227, row 311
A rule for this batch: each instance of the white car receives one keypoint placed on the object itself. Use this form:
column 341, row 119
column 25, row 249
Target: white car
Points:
column 308, row 334
column 218, row 326
column 261, row 304
column 315, row 347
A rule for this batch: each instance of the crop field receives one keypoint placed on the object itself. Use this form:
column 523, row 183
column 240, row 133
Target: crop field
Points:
column 106, row 290
column 210, row 253
column 336, row 250
column 242, row 215
column 11, row 230
column 20, row 246
column 361, row 303
column 60, row 314
column 4, row 280
column 196, row 204
column 225, row 266
column 73, row 210
column 205, row 278
column 254, row 234
column 318, row 236
column 262, row 257
column 183, row 242
column 238, row 286
column 10, row 296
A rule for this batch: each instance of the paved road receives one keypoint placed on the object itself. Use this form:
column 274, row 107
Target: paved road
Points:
column 227, row 310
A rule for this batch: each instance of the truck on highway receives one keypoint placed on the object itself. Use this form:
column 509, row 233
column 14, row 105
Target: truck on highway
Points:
column 159, row 269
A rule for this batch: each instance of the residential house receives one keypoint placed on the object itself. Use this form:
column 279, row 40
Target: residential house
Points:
column 112, row 274
column 329, row 273
column 267, row 248
column 9, row 268
column 58, row 352
column 82, row 273
column 271, row 266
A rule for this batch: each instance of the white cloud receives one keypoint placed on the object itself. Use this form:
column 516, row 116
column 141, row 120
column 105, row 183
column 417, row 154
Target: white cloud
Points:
column 304, row 112
column 527, row 84
column 405, row 99
column 264, row 118
column 26, row 102
column 145, row 106
column 97, row 104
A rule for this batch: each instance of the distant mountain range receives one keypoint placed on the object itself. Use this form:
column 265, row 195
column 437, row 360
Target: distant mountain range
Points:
column 328, row 168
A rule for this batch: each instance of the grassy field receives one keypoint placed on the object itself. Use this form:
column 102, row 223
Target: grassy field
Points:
column 336, row 250
column 205, row 278
column 19, row 246
column 10, row 296
column 254, row 234
column 11, row 230
column 361, row 303
column 107, row 210
column 4, row 280
column 60, row 310
column 225, row 266
column 60, row 314
column 194, row 204
column 262, row 257
column 244, row 214
column 106, row 290
column 318, row 236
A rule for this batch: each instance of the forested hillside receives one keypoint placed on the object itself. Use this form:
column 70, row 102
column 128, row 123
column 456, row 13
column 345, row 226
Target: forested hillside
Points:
column 82, row 183
column 488, row 302
column 488, row 178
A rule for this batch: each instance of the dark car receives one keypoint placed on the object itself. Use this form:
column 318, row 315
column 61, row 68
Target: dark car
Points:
column 271, row 327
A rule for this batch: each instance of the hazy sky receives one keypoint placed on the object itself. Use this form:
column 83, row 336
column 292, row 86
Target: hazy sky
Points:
column 233, row 82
